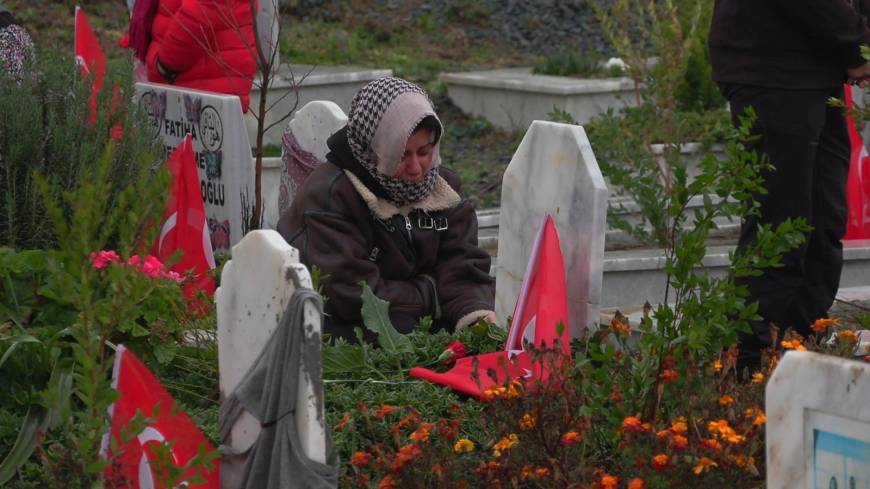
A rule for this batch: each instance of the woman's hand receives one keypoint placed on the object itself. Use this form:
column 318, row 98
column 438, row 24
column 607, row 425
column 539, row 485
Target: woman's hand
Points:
column 490, row 317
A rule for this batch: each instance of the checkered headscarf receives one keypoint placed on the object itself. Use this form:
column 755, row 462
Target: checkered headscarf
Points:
column 367, row 112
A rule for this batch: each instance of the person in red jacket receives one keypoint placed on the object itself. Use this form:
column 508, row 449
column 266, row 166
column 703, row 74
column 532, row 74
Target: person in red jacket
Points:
column 201, row 44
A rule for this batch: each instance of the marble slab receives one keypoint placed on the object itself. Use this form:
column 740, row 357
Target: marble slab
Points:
column 221, row 148
column 554, row 171
column 303, row 142
column 256, row 286
column 818, row 423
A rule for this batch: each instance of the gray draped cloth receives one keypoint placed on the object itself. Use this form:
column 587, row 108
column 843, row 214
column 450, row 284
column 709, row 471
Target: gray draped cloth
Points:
column 268, row 391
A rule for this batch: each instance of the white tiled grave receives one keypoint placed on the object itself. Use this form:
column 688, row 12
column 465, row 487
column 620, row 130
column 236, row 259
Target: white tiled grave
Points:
column 553, row 172
column 818, row 423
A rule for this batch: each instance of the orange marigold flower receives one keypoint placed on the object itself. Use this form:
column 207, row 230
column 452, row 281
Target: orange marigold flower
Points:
column 342, row 424
column 669, row 375
column 637, row 483
column 704, row 465
column 421, row 434
column 514, row 390
column 743, row 461
column 506, row 443
column 494, row 392
column 609, row 481
column 662, row 434
column 527, row 422
column 757, row 378
column 717, row 365
column 711, row 443
column 405, row 455
column 463, row 446
column 725, row 400
column 438, row 470
column 615, row 394
column 489, row 466
column 526, row 472
column 632, row 424
column 385, row 410
column 361, row 459
column 679, row 427
column 660, row 461
column 847, row 336
column 388, row 482
column 680, row 442
column 759, row 419
column 541, row 472
column 408, row 420
column 646, row 426
column 571, row 437
column 822, row 324
column 794, row 344
column 620, row 326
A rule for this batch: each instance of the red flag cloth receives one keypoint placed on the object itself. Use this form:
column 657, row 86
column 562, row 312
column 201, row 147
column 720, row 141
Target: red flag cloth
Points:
column 541, row 306
column 185, row 227
column 91, row 58
column 139, row 390
column 858, row 184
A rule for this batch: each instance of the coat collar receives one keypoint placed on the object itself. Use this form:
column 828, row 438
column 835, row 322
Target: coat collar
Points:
column 442, row 197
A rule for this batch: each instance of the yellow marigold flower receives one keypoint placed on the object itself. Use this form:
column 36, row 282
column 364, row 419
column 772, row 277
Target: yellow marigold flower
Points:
column 609, row 482
column 494, row 391
column 506, row 443
column 463, row 446
column 637, row 483
column 848, row 336
column 822, row 324
column 757, row 378
column 726, row 400
column 514, row 390
column 527, row 422
column 794, row 344
column 717, row 366
column 704, row 465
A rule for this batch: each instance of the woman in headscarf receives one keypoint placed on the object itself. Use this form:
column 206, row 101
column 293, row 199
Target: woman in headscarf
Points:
column 383, row 211
column 16, row 47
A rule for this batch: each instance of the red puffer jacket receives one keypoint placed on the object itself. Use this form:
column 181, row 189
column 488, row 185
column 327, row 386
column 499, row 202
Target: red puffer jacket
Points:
column 208, row 43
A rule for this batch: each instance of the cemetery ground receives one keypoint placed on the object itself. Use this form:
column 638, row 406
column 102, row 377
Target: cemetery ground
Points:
column 654, row 407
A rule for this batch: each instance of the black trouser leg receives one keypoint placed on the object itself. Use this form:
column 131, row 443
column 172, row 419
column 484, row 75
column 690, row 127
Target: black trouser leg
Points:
column 807, row 145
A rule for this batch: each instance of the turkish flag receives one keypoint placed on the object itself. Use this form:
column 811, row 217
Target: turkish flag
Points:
column 185, row 227
column 541, row 307
column 129, row 461
column 91, row 58
column 858, row 184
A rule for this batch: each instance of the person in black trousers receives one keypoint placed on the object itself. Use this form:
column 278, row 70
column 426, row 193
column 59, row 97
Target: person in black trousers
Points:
column 786, row 59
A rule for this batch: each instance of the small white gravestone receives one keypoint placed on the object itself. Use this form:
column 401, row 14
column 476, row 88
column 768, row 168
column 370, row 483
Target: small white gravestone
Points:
column 818, row 423
column 222, row 151
column 554, row 172
column 256, row 286
column 303, row 147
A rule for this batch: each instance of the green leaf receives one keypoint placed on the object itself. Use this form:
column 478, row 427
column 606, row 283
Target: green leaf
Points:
column 344, row 357
column 16, row 340
column 35, row 421
column 376, row 317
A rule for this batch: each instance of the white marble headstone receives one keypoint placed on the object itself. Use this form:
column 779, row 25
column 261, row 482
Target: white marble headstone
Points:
column 310, row 127
column 554, row 172
column 256, row 286
column 268, row 29
column 222, row 151
column 818, row 423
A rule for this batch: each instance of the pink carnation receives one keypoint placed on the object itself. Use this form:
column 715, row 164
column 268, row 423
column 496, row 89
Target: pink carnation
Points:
column 151, row 266
column 174, row 276
column 99, row 259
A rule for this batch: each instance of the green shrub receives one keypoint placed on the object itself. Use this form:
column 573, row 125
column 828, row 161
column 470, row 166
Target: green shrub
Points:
column 574, row 63
column 43, row 130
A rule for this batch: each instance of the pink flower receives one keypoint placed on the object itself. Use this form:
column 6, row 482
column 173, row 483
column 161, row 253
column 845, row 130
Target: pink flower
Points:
column 151, row 266
column 453, row 352
column 99, row 259
column 174, row 276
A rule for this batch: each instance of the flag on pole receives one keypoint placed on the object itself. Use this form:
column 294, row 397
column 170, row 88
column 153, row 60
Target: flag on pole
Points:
column 858, row 183
column 90, row 58
column 185, row 225
column 540, row 319
column 130, row 460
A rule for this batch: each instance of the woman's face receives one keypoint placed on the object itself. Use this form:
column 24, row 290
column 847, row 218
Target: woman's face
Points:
column 417, row 158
